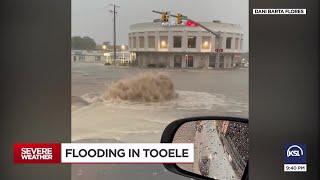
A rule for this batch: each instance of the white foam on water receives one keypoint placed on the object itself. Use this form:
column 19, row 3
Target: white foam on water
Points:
column 191, row 100
column 124, row 119
column 186, row 100
column 92, row 97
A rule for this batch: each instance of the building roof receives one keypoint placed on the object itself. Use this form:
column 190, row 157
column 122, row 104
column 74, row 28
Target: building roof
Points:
column 86, row 52
column 214, row 26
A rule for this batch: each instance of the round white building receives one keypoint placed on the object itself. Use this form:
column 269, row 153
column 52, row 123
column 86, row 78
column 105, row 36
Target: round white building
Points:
column 156, row 45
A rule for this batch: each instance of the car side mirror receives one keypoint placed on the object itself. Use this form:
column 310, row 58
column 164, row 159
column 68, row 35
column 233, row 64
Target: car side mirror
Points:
column 221, row 146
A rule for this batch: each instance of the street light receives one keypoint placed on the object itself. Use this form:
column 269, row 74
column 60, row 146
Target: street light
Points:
column 123, row 47
column 104, row 47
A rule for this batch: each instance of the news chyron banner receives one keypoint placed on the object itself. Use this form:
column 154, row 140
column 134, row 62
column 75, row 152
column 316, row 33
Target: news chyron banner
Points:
column 104, row 153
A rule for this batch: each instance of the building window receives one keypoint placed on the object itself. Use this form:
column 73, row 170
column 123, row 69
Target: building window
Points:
column 212, row 61
column 151, row 42
column 177, row 41
column 228, row 43
column 189, row 61
column 81, row 57
column 97, row 58
column 205, row 42
column 141, row 42
column 163, row 42
column 221, row 62
column 134, row 42
column 237, row 43
column 241, row 43
column 192, row 41
column 177, row 61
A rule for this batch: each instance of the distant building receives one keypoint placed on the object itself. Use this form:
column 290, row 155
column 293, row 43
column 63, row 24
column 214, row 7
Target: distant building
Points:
column 99, row 56
column 185, row 47
column 109, row 47
column 87, row 56
column 123, row 57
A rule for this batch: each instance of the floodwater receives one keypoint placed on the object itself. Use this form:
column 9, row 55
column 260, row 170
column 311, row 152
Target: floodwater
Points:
column 199, row 93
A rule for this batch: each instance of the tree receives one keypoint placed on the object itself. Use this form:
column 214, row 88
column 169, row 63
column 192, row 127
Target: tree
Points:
column 107, row 43
column 83, row 43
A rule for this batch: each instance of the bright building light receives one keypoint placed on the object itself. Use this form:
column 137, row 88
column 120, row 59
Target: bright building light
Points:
column 205, row 45
column 104, row 47
column 163, row 44
column 123, row 47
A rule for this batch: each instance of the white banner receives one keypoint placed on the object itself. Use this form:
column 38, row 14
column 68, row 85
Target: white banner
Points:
column 295, row 168
column 280, row 11
column 127, row 153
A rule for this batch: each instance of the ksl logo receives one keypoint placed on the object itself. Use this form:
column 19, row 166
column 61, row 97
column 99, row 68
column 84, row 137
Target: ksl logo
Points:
column 295, row 154
column 294, row 150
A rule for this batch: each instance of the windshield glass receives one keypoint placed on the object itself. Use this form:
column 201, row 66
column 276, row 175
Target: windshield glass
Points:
column 133, row 72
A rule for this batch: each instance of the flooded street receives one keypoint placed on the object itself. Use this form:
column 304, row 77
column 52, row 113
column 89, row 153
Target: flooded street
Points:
column 200, row 92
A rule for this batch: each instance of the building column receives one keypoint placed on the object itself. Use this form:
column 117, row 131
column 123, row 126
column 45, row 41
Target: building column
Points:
column 138, row 42
column 184, row 41
column 206, row 60
column 157, row 40
column 183, row 61
column 146, row 45
column 171, row 61
column 213, row 43
column 227, row 61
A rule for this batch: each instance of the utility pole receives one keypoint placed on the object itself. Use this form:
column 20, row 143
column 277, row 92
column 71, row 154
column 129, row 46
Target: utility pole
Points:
column 114, row 12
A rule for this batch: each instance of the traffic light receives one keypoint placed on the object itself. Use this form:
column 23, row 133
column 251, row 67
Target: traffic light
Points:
column 165, row 17
column 179, row 18
column 190, row 23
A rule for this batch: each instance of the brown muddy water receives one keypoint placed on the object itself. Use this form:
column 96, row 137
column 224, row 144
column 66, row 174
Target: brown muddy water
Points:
column 149, row 99
column 104, row 110
column 143, row 87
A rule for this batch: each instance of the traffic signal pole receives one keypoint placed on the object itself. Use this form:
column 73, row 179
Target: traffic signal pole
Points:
column 216, row 34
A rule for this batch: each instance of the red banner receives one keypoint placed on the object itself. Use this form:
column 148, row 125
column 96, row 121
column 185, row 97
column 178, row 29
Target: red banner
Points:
column 37, row 153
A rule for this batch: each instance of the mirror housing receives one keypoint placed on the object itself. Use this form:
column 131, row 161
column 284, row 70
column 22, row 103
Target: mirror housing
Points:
column 170, row 132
